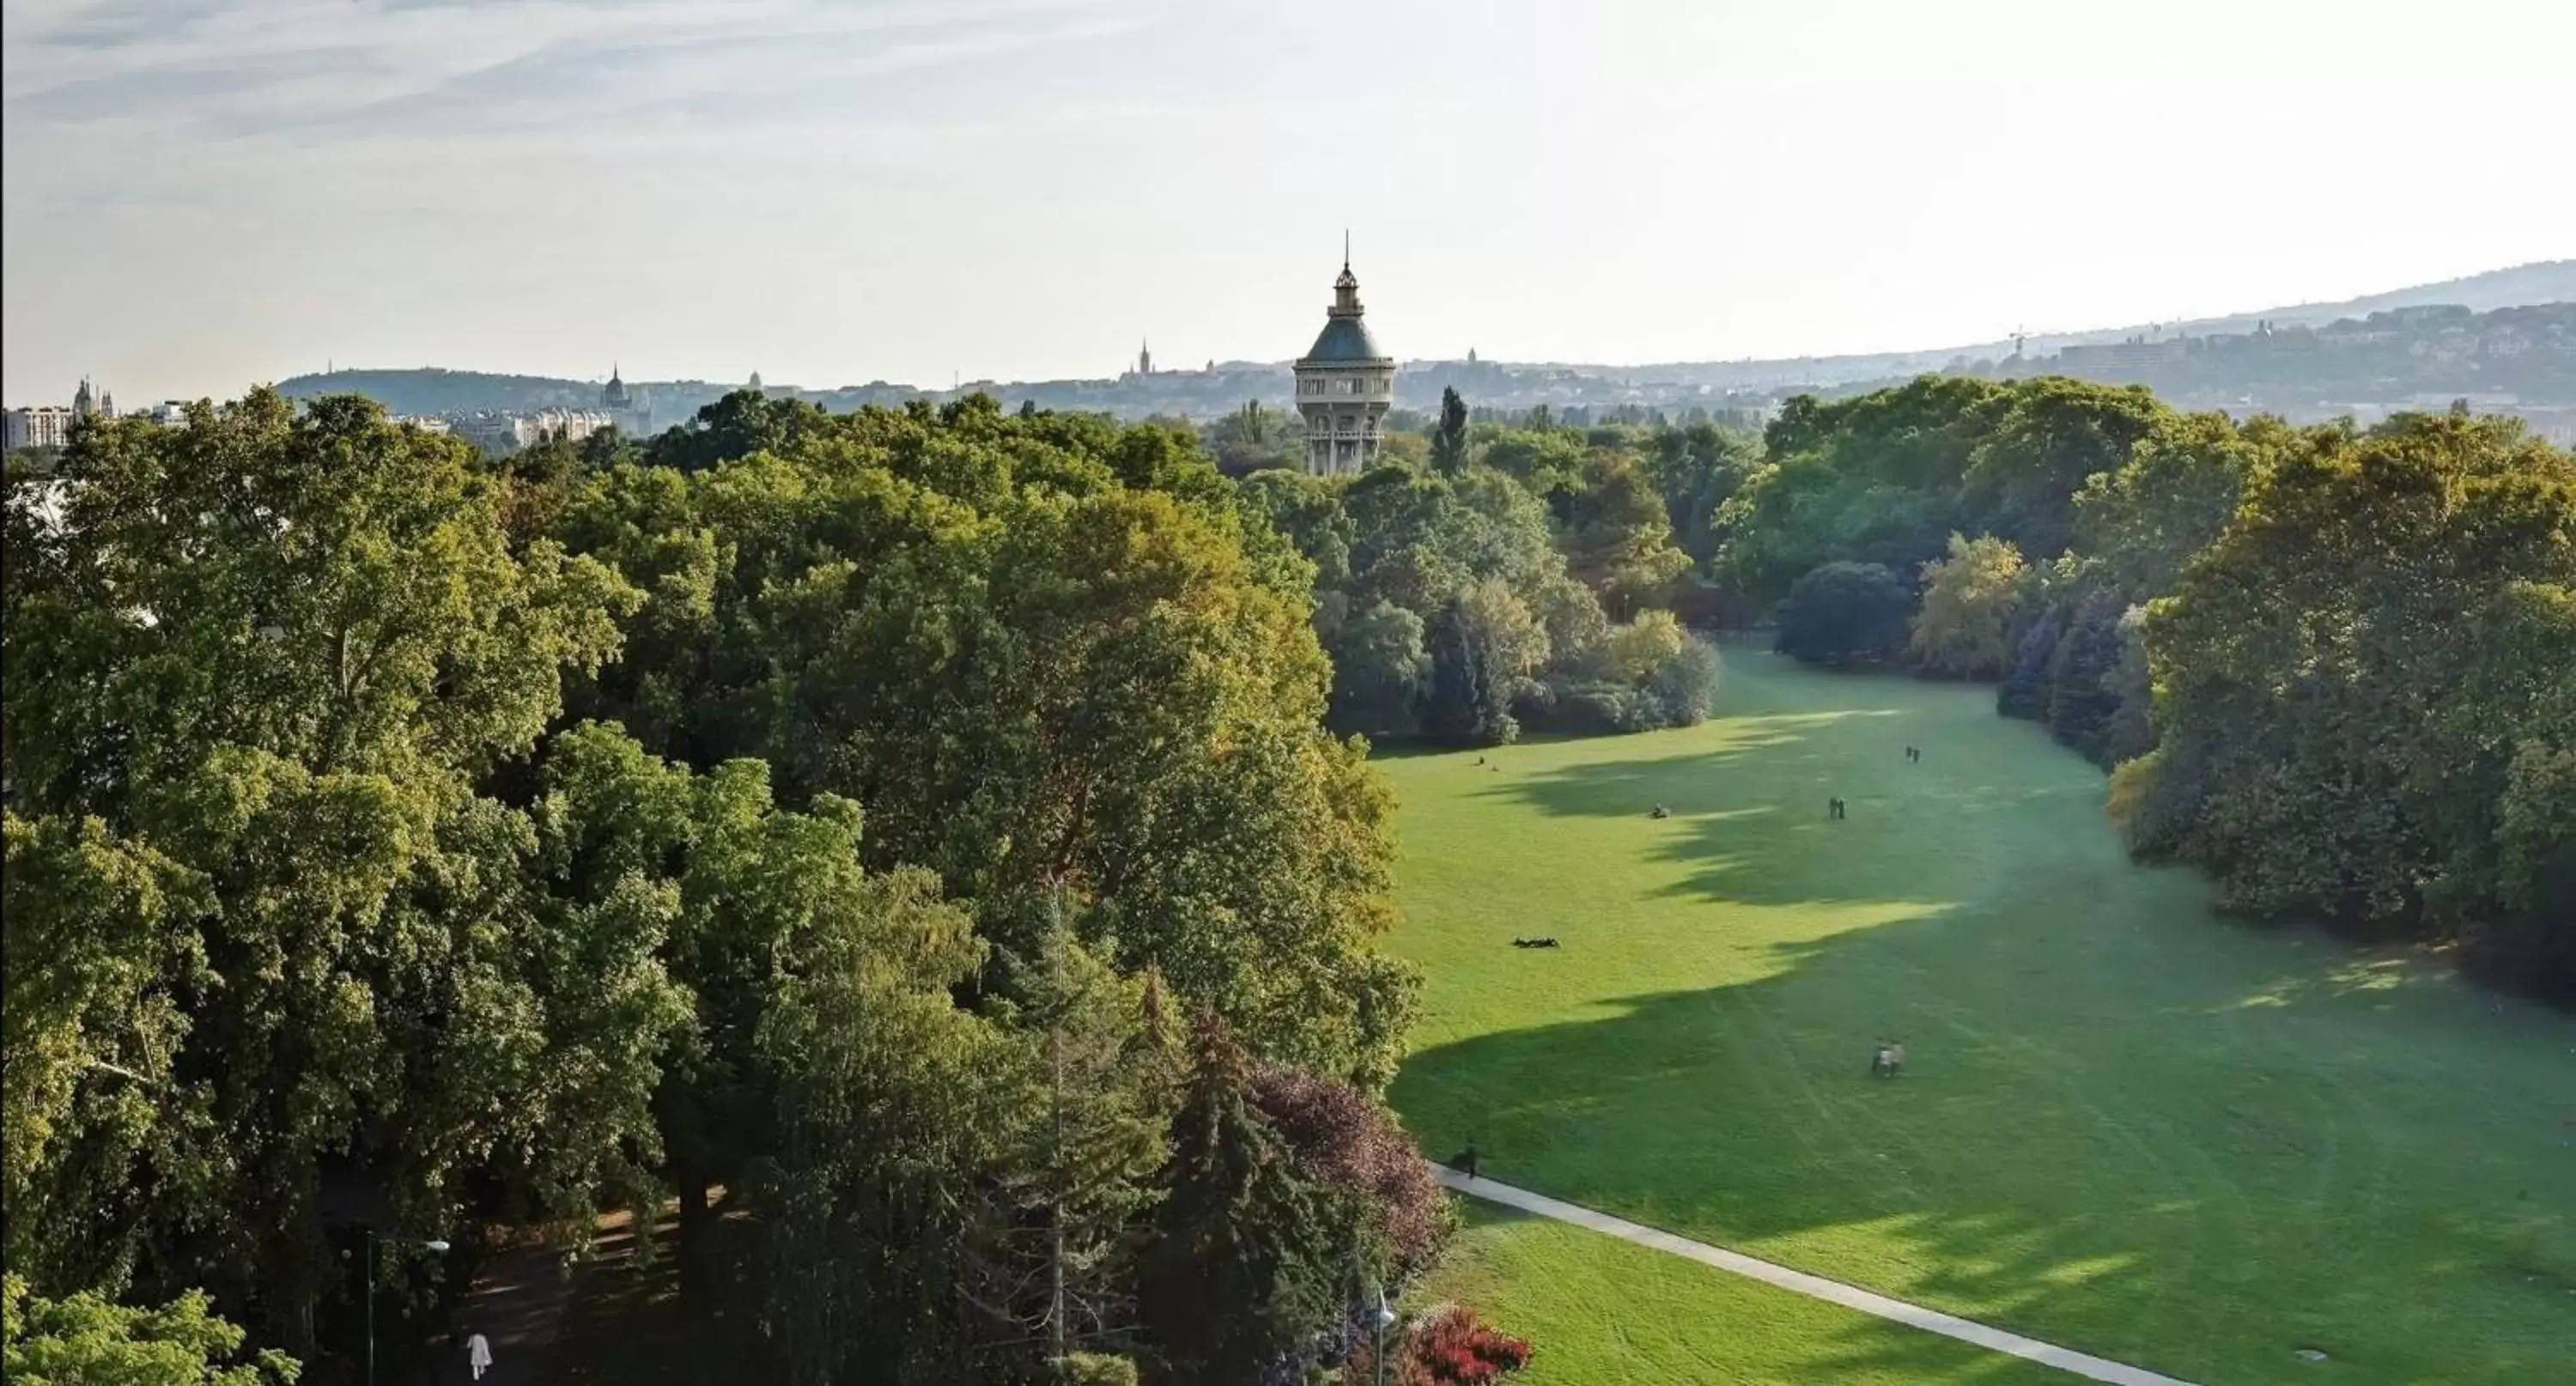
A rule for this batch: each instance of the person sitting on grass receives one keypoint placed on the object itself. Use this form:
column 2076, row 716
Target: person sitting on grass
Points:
column 1882, row 1060
column 1660, row 812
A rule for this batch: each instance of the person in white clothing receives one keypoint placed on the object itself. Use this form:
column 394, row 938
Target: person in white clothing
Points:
column 478, row 1354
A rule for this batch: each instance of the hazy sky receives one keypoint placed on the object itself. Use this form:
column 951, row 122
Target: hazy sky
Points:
column 204, row 193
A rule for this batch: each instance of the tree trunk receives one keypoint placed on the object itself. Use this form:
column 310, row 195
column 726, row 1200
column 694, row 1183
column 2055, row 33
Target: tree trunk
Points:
column 697, row 1225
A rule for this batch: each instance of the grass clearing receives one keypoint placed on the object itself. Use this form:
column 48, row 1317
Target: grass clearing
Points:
column 1603, row 1310
column 2129, row 1127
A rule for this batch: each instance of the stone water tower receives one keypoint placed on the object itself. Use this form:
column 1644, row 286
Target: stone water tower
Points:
column 1345, row 385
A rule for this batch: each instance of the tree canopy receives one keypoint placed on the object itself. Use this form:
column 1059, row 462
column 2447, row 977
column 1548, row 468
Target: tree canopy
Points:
column 402, row 837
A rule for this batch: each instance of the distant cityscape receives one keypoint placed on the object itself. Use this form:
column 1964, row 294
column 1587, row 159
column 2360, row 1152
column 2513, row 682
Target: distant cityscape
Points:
column 2364, row 360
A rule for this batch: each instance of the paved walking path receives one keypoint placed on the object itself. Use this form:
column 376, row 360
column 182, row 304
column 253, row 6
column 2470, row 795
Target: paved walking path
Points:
column 1812, row 1286
column 517, row 1304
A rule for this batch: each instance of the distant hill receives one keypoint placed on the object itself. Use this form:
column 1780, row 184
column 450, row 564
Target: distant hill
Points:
column 433, row 390
column 2548, row 281
column 1201, row 394
column 436, row 390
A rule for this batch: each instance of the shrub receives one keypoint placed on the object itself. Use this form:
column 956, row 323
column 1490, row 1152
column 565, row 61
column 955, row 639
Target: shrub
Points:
column 1685, row 683
column 1845, row 613
column 1588, row 706
column 1964, row 630
column 1447, row 1346
column 1094, row 1369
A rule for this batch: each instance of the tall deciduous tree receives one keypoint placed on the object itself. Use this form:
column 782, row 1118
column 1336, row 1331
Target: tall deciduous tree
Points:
column 1964, row 629
column 277, row 657
column 2346, row 679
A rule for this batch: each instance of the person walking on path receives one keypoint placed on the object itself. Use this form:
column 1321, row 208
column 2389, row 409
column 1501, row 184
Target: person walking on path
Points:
column 1467, row 1160
column 478, row 1354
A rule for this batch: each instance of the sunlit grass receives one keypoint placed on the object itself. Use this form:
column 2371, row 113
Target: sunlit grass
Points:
column 2129, row 1126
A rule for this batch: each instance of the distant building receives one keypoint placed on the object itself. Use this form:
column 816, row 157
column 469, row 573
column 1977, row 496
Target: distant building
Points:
column 39, row 426
column 631, row 410
column 502, row 434
column 2137, row 353
column 1345, row 385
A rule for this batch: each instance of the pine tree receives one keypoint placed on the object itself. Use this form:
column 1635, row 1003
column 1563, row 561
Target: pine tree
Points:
column 1052, row 1258
column 1239, row 1272
column 1449, row 440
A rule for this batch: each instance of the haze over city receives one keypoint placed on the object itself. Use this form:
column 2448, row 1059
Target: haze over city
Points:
column 208, row 194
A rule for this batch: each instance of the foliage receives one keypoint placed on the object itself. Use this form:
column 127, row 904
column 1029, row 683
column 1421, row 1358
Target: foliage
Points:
column 1965, row 625
column 1445, row 1346
column 92, row 928
column 1095, row 1369
column 1347, row 1144
column 1054, row 1251
column 1449, row 438
column 2347, row 680
column 252, row 707
column 1616, row 536
column 1885, row 477
column 1845, row 613
column 1243, row 1264
column 1381, row 671
column 87, row 1341
column 1038, row 649
column 1875, row 479
column 2050, row 438
column 482, row 840
column 1253, row 439
column 1458, row 601
column 1698, row 469
column 2529, row 942
column 1484, row 649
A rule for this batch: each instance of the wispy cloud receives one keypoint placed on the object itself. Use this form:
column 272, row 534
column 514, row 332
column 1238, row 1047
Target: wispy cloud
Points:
column 338, row 70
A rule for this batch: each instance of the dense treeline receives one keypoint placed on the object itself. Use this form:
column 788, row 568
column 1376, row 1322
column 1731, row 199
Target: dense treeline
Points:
column 918, row 826
column 2336, row 667
column 1511, row 577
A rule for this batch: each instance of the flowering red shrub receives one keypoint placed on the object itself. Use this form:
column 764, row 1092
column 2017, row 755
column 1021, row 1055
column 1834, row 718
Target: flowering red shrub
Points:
column 1342, row 1139
column 1449, row 1346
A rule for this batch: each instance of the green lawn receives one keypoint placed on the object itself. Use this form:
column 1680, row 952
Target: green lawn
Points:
column 2130, row 1127
column 1601, row 1310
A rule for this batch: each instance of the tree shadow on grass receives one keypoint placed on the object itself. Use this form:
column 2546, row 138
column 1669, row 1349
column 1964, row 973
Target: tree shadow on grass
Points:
column 1750, row 817
column 2127, row 1160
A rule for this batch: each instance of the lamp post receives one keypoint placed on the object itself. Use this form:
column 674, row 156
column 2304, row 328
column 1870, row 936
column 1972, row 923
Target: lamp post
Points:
column 1383, row 1319
column 368, row 1254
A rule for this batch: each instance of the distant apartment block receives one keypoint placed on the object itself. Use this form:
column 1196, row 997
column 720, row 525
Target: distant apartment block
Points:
column 501, row 434
column 40, row 426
